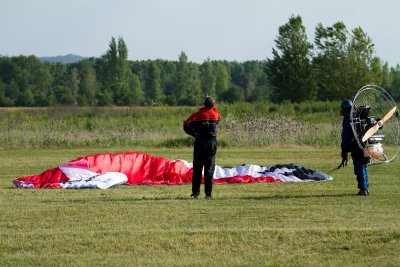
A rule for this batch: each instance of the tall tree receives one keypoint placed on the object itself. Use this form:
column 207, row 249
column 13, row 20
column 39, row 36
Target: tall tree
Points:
column 136, row 95
column 386, row 78
column 88, row 84
column 12, row 91
column 331, row 44
column 73, row 83
column 42, row 84
column 290, row 71
column 64, row 95
column 207, row 78
column 122, row 88
column 362, row 60
column 394, row 88
column 153, row 92
column 222, row 80
column 182, row 78
column 114, row 72
column 4, row 100
column 192, row 92
column 256, row 87
column 168, row 82
column 25, row 98
column 344, row 61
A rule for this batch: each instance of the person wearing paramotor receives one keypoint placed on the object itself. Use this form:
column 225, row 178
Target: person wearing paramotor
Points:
column 349, row 145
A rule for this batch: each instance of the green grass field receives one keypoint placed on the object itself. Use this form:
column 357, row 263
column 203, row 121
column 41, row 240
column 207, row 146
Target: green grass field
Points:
column 269, row 224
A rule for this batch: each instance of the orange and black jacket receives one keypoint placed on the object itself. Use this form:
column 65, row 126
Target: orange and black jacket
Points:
column 203, row 123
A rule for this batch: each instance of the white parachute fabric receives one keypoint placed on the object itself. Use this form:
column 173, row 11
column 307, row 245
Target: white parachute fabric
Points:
column 100, row 181
column 276, row 173
column 80, row 176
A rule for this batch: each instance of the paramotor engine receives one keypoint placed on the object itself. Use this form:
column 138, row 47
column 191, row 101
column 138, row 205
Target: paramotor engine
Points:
column 375, row 123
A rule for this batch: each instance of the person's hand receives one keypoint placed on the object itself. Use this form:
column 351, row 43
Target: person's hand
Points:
column 345, row 159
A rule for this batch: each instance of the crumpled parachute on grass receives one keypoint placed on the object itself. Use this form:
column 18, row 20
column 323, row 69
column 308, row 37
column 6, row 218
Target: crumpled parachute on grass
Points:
column 131, row 168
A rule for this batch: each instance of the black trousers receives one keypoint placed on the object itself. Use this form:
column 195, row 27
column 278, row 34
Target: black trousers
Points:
column 203, row 156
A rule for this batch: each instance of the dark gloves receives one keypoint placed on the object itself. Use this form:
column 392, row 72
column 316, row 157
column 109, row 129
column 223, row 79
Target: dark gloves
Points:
column 345, row 159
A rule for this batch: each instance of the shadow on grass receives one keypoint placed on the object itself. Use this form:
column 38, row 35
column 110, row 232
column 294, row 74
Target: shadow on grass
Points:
column 274, row 197
column 179, row 198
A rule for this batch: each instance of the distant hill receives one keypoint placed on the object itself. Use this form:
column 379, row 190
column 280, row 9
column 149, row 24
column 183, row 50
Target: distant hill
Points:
column 70, row 58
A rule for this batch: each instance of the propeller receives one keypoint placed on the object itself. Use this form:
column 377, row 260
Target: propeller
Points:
column 377, row 125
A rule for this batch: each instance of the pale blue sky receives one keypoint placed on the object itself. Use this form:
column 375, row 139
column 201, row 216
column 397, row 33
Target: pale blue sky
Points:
column 160, row 29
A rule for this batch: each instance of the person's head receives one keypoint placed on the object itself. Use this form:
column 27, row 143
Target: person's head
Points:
column 208, row 101
column 345, row 107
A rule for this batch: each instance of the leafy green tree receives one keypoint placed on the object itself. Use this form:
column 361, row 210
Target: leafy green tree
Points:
column 25, row 98
column 8, row 69
column 256, row 88
column 168, row 82
column 59, row 73
column 39, row 80
column 362, row 59
column 394, row 88
column 136, row 95
column 222, row 80
column 108, row 64
column 329, row 63
column 290, row 70
column 64, row 95
column 25, row 76
column 233, row 94
column 122, row 89
column 88, row 85
column 104, row 98
column 386, row 77
column 51, row 97
column 208, row 80
column 182, row 77
column 73, row 82
column 43, row 89
column 11, row 75
column 114, row 72
column 12, row 91
column 344, row 61
column 187, row 89
column 192, row 92
column 153, row 92
column 238, row 75
column 4, row 100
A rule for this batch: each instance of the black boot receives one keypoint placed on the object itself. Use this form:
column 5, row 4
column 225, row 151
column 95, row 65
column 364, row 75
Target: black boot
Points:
column 363, row 192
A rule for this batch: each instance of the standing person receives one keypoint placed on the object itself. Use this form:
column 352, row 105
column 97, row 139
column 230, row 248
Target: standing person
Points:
column 349, row 144
column 202, row 125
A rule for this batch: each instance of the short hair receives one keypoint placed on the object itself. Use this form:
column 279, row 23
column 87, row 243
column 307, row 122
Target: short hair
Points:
column 209, row 102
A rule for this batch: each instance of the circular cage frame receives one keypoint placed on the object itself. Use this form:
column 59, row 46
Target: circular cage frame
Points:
column 354, row 120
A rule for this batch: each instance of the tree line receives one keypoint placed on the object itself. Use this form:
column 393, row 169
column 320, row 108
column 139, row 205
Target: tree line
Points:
column 332, row 67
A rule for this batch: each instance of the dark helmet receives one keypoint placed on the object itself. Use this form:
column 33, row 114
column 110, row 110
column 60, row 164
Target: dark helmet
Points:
column 345, row 107
column 209, row 102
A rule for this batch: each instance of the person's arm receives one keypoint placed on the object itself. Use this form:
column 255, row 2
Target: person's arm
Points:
column 189, row 129
column 347, row 137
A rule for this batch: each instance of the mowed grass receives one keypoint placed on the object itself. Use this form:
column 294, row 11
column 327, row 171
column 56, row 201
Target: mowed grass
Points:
column 260, row 224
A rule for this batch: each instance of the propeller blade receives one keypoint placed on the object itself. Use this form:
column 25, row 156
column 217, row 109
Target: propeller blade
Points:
column 371, row 131
column 389, row 114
